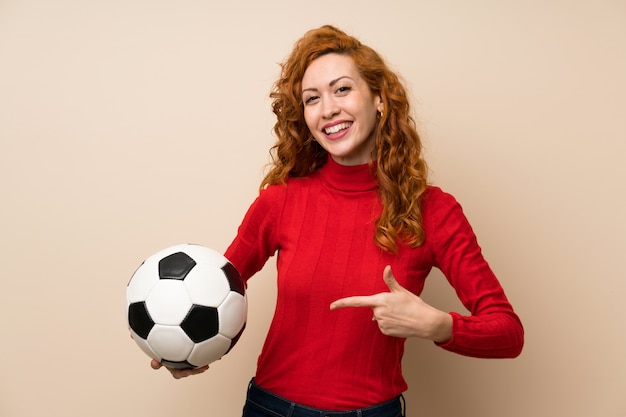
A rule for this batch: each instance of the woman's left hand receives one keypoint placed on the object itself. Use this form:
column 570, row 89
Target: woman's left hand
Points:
column 401, row 313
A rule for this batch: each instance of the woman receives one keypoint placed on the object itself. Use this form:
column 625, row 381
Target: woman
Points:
column 345, row 203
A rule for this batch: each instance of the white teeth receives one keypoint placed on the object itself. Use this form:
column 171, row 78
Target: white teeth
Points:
column 336, row 128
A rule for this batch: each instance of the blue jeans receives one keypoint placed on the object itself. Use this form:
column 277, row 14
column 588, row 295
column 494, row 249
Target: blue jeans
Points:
column 262, row 403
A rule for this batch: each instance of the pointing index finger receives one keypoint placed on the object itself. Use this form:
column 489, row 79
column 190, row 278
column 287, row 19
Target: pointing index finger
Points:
column 355, row 301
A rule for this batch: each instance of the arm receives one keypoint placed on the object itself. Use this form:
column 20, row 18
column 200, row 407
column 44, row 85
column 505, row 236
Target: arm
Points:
column 493, row 329
column 258, row 234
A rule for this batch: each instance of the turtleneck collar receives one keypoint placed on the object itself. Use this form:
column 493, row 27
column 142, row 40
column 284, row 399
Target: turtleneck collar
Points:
column 349, row 177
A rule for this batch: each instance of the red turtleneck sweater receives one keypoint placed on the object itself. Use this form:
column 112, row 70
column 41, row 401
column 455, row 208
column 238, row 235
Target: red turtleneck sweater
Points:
column 322, row 229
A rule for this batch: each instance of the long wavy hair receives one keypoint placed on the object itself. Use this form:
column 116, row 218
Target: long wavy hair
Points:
column 401, row 169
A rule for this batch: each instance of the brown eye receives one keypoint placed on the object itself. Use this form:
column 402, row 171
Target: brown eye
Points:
column 311, row 99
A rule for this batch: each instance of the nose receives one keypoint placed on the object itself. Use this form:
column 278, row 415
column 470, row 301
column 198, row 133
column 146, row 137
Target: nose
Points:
column 329, row 108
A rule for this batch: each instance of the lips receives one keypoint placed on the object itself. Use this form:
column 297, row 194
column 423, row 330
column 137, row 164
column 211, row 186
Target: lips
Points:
column 334, row 129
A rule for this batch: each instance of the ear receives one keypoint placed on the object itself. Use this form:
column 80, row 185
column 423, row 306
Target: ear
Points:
column 380, row 107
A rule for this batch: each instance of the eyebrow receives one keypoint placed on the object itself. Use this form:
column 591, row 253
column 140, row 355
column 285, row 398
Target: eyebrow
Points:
column 330, row 84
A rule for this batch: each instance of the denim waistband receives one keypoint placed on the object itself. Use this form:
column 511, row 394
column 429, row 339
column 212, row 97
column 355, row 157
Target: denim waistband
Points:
column 283, row 407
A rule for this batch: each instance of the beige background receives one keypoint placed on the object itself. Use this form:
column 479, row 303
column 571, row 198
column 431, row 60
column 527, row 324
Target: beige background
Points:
column 130, row 125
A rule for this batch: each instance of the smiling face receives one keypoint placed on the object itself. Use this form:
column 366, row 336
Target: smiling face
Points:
column 340, row 109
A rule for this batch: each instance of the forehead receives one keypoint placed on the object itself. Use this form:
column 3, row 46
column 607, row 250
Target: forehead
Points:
column 328, row 68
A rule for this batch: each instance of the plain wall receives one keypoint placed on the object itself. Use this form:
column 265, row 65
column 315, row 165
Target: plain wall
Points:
column 127, row 126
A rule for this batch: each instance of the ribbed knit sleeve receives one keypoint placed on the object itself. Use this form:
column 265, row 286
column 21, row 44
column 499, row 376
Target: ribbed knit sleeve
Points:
column 493, row 329
column 257, row 236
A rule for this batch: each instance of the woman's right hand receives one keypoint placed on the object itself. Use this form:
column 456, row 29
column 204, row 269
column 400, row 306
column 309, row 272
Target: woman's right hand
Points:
column 179, row 373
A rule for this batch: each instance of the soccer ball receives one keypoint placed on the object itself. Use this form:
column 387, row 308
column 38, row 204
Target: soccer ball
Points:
column 186, row 306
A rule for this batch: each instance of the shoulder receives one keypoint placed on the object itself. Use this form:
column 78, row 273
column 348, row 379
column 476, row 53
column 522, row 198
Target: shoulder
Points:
column 273, row 191
column 276, row 195
column 271, row 196
column 440, row 207
column 443, row 217
column 435, row 198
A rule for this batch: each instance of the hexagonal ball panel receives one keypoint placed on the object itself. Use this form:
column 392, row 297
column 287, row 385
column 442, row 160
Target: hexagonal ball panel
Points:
column 233, row 314
column 207, row 285
column 210, row 350
column 170, row 343
column 168, row 302
column 142, row 281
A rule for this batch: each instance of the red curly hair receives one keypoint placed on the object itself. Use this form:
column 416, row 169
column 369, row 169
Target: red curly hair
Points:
column 401, row 169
